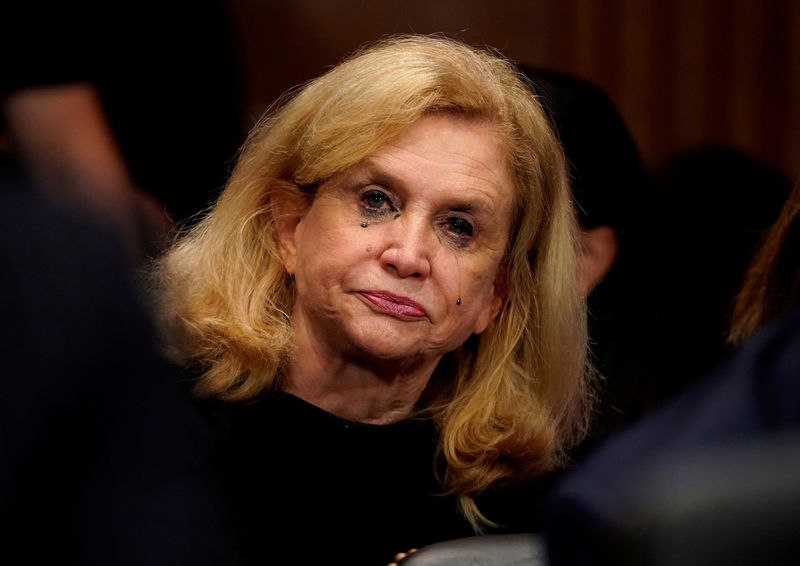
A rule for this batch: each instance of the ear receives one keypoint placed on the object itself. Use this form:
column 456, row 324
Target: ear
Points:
column 287, row 212
column 496, row 302
column 599, row 248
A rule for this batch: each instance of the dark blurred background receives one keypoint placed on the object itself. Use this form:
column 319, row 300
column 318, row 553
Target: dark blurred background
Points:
column 682, row 72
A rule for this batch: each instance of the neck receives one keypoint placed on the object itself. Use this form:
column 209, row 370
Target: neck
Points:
column 375, row 393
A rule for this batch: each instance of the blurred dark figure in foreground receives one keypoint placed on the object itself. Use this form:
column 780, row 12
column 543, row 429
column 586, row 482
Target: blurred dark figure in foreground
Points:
column 128, row 111
column 719, row 201
column 619, row 223
column 100, row 451
column 714, row 476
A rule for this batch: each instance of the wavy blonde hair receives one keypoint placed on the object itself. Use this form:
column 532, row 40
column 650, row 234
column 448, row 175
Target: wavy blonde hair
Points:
column 508, row 402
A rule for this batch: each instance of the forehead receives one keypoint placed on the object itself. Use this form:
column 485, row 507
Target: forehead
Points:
column 444, row 153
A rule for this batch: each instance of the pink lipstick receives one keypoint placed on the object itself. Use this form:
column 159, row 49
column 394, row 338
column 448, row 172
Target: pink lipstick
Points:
column 395, row 305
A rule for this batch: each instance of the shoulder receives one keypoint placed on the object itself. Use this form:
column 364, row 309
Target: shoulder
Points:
column 719, row 437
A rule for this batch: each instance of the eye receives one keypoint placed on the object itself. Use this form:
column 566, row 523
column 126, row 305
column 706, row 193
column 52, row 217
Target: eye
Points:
column 457, row 230
column 377, row 201
column 459, row 227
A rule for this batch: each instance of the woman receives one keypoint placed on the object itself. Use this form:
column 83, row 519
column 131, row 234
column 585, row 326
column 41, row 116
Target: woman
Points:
column 382, row 308
column 772, row 284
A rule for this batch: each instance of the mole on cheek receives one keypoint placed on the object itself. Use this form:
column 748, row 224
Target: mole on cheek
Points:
column 369, row 249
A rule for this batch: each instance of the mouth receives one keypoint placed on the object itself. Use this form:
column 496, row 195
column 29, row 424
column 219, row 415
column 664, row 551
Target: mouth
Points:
column 395, row 305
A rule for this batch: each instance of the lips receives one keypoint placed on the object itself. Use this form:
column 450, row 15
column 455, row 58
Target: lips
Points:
column 395, row 305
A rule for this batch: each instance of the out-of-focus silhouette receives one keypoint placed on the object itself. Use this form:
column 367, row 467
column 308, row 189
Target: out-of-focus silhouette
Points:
column 713, row 477
column 772, row 283
column 620, row 223
column 130, row 112
column 100, row 451
column 719, row 202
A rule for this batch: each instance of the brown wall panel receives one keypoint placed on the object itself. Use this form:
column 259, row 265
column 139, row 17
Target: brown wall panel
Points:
column 682, row 72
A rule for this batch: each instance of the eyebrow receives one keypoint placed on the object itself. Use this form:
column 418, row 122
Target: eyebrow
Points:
column 368, row 168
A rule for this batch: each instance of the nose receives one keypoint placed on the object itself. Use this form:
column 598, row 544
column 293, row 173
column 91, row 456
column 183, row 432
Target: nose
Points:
column 409, row 245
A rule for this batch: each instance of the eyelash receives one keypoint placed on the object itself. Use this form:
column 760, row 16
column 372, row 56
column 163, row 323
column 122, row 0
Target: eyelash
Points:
column 458, row 229
column 376, row 210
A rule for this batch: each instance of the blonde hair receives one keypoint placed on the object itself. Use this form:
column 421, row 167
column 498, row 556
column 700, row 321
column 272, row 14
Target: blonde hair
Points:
column 772, row 283
column 508, row 402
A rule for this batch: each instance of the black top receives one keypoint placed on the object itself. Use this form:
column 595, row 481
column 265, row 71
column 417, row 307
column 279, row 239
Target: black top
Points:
column 299, row 485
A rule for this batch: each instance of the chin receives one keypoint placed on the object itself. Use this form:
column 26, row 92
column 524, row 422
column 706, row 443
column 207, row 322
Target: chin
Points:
column 386, row 352
column 386, row 345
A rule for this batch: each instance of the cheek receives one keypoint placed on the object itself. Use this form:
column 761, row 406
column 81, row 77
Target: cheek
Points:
column 483, row 308
column 477, row 280
column 326, row 253
column 479, row 289
column 322, row 231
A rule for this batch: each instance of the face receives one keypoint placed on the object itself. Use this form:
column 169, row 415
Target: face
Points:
column 397, row 258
